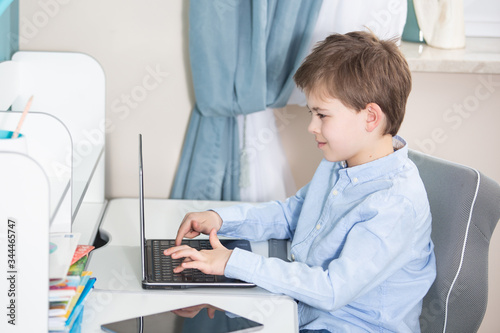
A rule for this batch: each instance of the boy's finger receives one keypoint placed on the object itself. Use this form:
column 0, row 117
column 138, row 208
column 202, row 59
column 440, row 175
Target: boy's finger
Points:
column 211, row 313
column 190, row 229
column 187, row 253
column 171, row 250
column 184, row 229
column 199, row 265
column 187, row 259
column 178, row 269
column 183, row 265
column 214, row 240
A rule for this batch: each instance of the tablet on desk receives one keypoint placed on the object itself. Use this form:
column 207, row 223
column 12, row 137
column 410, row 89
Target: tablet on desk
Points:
column 193, row 319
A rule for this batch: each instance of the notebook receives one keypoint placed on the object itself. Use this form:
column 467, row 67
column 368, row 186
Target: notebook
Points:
column 157, row 269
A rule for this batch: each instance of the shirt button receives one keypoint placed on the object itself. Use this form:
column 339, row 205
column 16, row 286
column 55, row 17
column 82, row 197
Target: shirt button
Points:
column 318, row 226
column 293, row 257
column 355, row 180
column 335, row 192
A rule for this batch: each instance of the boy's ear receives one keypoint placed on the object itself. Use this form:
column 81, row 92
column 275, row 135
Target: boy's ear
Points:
column 374, row 117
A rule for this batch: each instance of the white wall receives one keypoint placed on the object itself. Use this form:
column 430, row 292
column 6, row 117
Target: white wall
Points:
column 142, row 46
column 133, row 39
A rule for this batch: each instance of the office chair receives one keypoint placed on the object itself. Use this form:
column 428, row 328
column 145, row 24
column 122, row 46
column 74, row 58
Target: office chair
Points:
column 465, row 207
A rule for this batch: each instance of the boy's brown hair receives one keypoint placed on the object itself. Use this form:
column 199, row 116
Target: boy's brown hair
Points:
column 357, row 68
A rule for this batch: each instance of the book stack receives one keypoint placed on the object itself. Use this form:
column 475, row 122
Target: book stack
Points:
column 70, row 283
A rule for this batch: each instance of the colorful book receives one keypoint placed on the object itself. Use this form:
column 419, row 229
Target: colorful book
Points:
column 79, row 291
column 71, row 323
column 62, row 249
column 58, row 308
column 68, row 291
column 78, row 309
column 81, row 251
column 72, row 280
column 63, row 285
column 78, row 267
column 61, row 294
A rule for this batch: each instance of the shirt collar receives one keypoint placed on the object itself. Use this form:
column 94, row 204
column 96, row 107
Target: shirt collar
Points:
column 381, row 166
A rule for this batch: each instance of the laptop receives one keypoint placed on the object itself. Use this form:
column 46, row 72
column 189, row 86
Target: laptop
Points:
column 157, row 268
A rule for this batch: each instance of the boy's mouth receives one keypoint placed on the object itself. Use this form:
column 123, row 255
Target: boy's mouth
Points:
column 320, row 144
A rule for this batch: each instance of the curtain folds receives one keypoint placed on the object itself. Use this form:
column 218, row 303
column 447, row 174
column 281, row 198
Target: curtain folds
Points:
column 243, row 56
column 267, row 171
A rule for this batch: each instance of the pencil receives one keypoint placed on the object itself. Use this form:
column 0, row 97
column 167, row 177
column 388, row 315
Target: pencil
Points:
column 25, row 112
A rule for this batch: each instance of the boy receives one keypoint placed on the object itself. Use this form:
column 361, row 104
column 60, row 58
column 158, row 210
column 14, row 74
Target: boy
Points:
column 360, row 230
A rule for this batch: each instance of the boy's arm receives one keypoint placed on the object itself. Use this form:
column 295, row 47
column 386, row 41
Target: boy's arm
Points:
column 277, row 219
column 374, row 250
column 270, row 220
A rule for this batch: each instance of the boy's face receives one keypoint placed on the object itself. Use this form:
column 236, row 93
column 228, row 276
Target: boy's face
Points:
column 339, row 131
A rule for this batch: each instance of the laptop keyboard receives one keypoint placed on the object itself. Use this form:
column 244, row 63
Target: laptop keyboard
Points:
column 163, row 265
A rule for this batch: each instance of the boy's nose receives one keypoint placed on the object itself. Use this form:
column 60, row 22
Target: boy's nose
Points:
column 313, row 127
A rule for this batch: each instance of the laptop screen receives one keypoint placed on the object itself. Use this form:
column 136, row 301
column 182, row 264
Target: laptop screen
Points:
column 141, row 210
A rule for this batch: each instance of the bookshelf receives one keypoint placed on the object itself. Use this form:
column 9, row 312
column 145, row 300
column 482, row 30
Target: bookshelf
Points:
column 55, row 184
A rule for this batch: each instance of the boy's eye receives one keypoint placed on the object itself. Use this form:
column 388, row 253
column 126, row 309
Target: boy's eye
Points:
column 319, row 115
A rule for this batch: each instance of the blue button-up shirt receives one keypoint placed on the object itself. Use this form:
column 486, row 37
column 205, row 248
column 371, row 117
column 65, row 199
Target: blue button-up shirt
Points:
column 361, row 246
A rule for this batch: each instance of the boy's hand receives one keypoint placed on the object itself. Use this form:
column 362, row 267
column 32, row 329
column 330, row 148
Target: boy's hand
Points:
column 192, row 311
column 208, row 261
column 195, row 223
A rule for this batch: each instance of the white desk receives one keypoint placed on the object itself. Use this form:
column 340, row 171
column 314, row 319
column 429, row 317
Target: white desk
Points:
column 118, row 293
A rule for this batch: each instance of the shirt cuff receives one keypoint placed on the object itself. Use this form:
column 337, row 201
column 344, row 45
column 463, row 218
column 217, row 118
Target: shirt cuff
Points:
column 227, row 214
column 242, row 265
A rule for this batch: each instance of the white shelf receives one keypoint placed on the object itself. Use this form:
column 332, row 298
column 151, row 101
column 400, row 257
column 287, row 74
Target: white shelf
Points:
column 61, row 170
column 480, row 56
column 23, row 198
column 88, row 212
column 45, row 137
column 71, row 87
column 82, row 177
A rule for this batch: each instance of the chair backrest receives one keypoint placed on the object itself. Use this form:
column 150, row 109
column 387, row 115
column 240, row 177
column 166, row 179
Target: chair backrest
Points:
column 465, row 207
